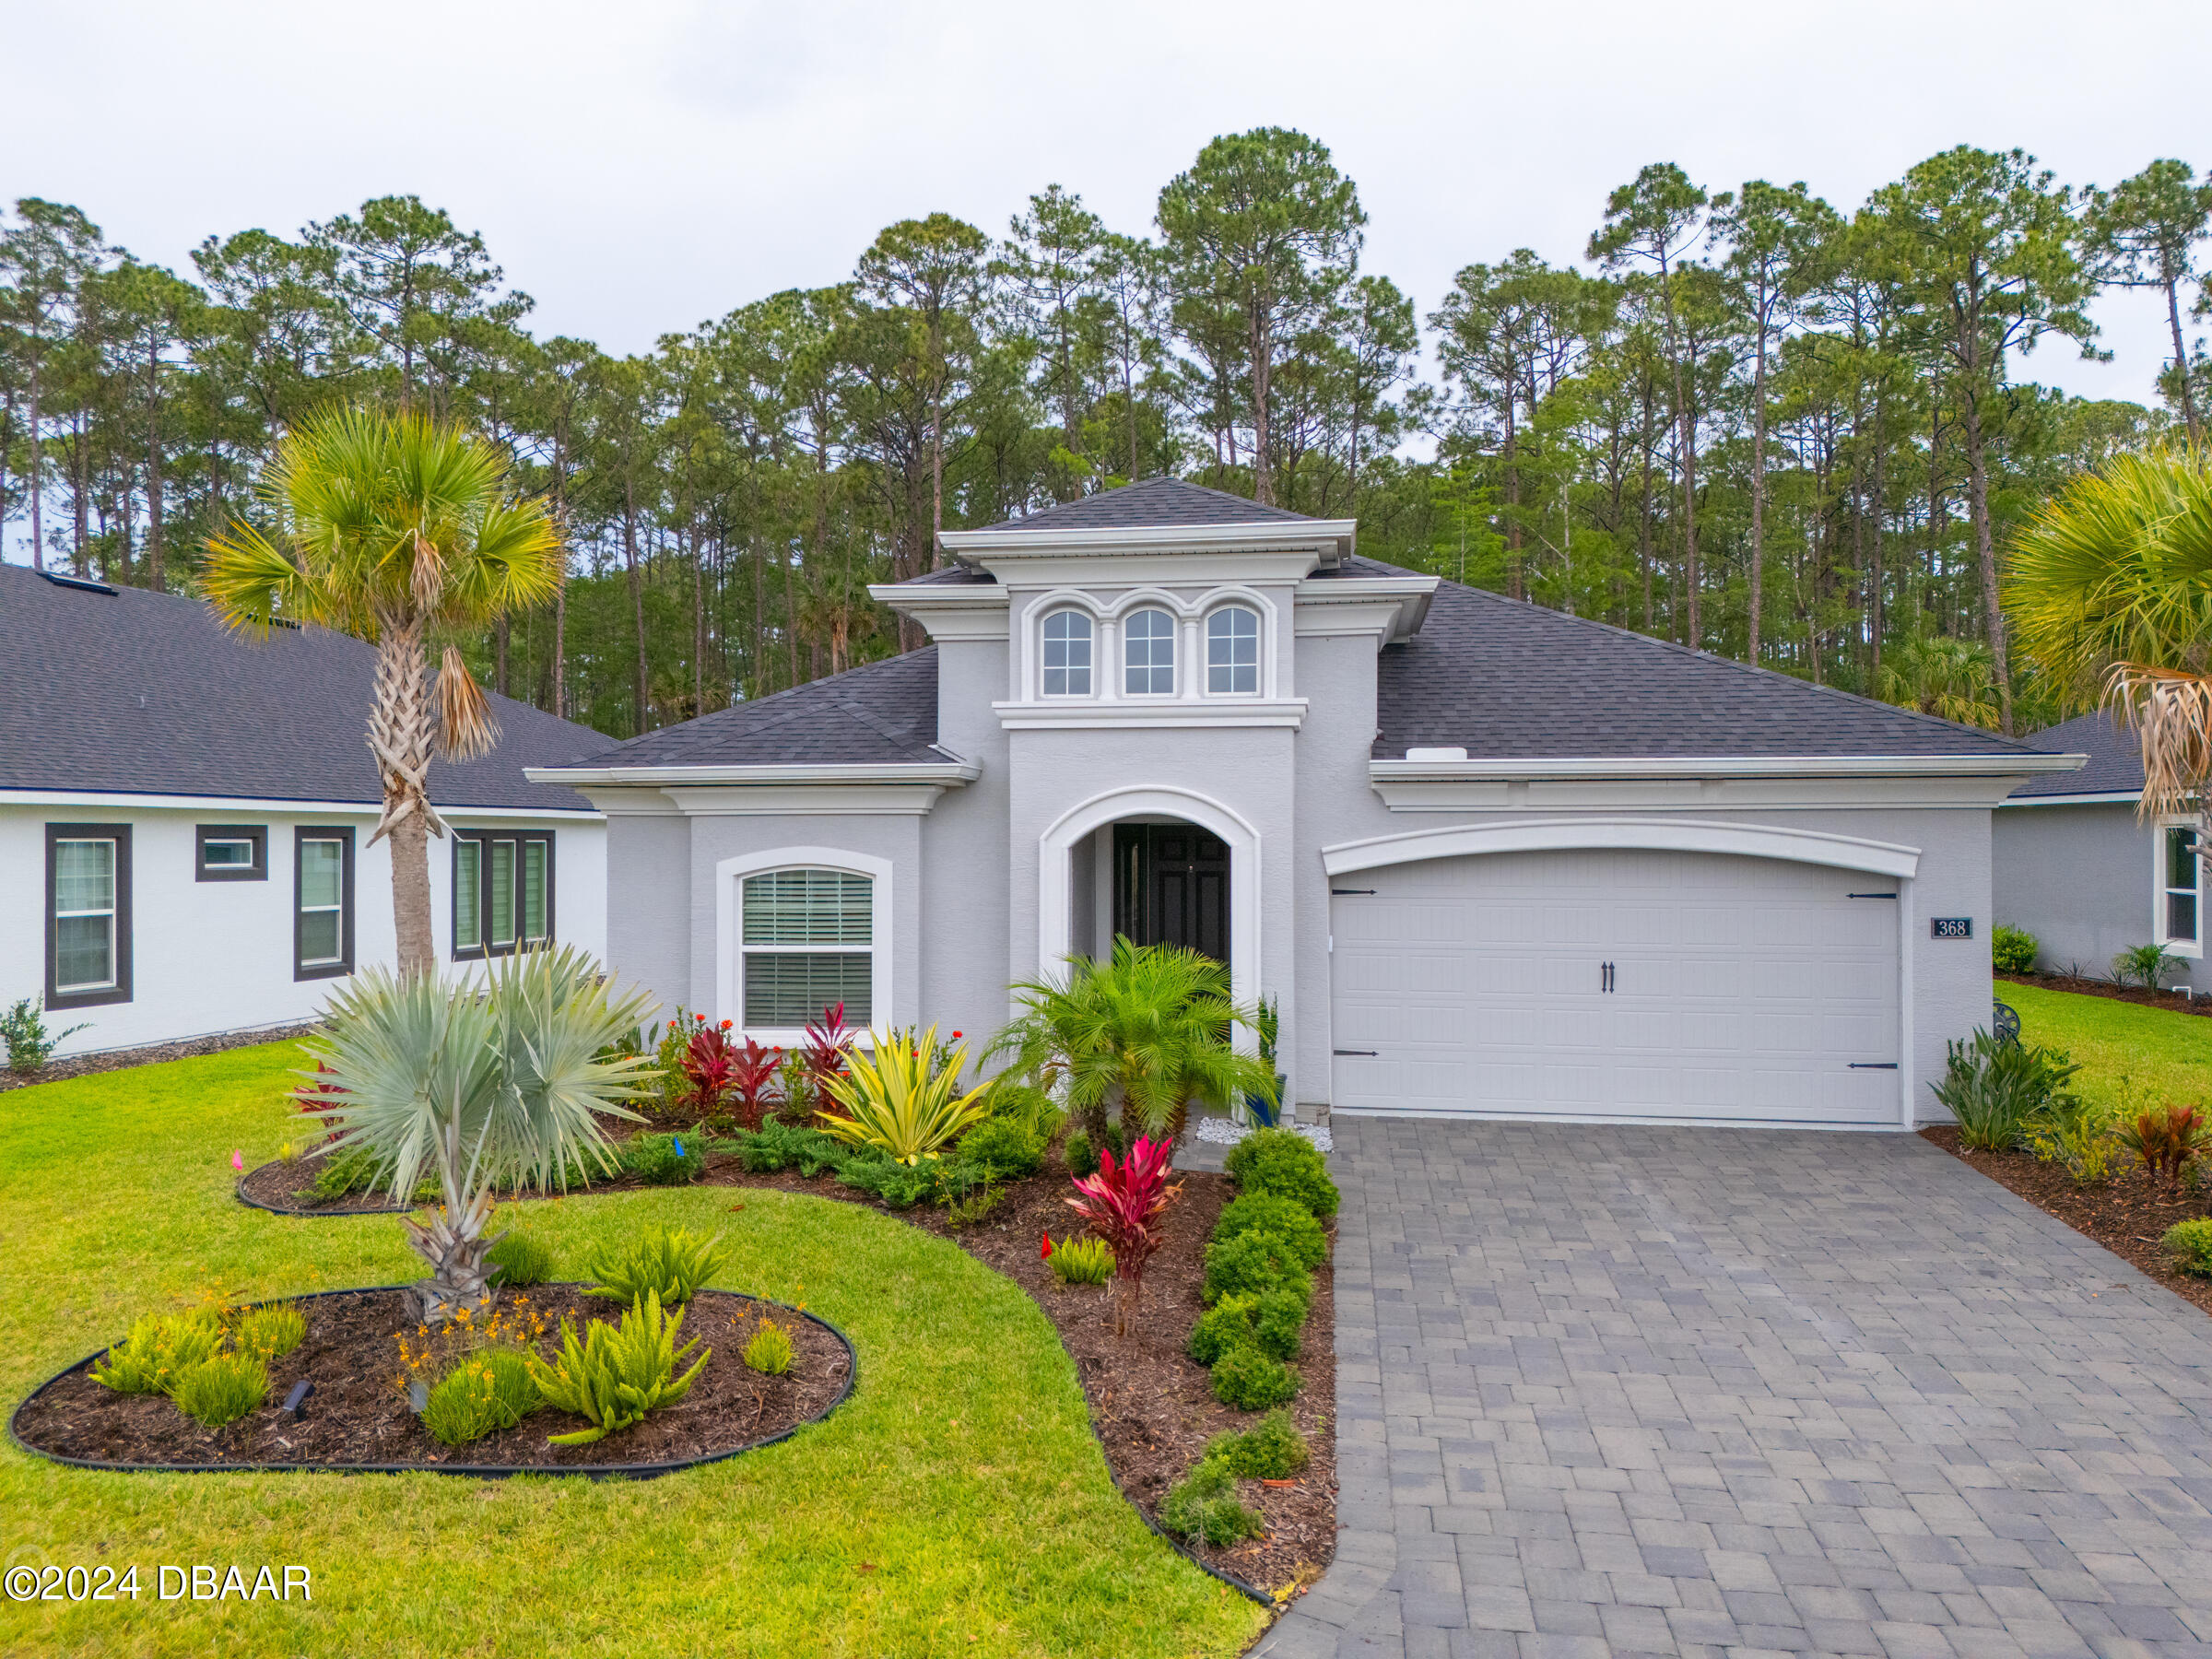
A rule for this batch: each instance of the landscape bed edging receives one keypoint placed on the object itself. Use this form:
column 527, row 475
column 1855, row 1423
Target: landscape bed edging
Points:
column 478, row 1471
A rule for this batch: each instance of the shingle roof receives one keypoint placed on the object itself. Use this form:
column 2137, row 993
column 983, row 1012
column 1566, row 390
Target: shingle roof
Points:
column 2115, row 759
column 142, row 693
column 881, row 713
column 1153, row 504
column 1513, row 680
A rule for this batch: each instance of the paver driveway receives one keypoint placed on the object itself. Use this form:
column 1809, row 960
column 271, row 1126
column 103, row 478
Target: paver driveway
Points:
column 1689, row 1391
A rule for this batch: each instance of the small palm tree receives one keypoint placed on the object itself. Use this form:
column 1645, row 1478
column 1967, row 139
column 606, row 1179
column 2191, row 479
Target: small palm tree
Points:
column 397, row 529
column 2108, row 588
column 483, row 1086
column 1151, row 1028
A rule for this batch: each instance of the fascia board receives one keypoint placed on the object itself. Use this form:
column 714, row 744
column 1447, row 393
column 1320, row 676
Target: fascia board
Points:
column 2116, row 797
column 1334, row 536
column 262, row 805
column 1490, row 768
column 938, row 774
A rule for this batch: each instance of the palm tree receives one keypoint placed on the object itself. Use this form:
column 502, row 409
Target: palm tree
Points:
column 479, row 1091
column 1151, row 1028
column 1944, row 676
column 2109, row 590
column 397, row 529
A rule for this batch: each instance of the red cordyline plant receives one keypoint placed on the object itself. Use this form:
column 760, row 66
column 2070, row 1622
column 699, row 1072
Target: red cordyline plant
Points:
column 710, row 1064
column 752, row 1069
column 828, row 1046
column 315, row 1102
column 1122, row 1204
column 2167, row 1141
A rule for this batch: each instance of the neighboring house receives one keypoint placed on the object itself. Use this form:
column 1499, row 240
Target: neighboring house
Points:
column 2077, row 868
column 185, row 815
column 1487, row 858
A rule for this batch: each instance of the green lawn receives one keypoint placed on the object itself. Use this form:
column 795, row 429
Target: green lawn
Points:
column 957, row 1504
column 2130, row 1054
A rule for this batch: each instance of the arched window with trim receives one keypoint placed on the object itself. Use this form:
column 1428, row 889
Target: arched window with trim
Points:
column 1067, row 640
column 810, row 944
column 1232, row 653
column 1148, row 654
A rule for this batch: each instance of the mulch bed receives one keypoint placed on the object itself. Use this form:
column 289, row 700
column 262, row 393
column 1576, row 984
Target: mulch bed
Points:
column 78, row 1066
column 1153, row 1409
column 359, row 1417
column 2097, row 987
column 285, row 1185
column 2128, row 1217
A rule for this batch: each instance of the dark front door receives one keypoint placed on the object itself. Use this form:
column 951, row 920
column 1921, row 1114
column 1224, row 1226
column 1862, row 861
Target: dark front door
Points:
column 1171, row 886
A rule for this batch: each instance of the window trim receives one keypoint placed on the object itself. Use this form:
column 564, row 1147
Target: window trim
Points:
column 1090, row 669
column 2194, row 948
column 730, row 874
column 1174, row 652
column 343, row 966
column 122, row 990
column 258, row 834
column 484, row 949
column 1259, row 662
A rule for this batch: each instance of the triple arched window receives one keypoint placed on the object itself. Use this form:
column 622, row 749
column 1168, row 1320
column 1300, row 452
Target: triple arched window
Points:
column 1148, row 653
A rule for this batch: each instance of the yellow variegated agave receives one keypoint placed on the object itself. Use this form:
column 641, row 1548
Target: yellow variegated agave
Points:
column 901, row 1101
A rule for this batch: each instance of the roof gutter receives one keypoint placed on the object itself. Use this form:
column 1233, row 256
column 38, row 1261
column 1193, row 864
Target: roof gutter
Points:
column 945, row 774
column 1491, row 768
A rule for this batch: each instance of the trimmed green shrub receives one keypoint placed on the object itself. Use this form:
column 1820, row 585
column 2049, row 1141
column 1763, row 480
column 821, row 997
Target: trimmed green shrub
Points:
column 1287, row 1218
column 1270, row 1322
column 1203, row 1507
column 1004, row 1147
column 1251, row 1263
column 1249, row 1380
column 487, row 1390
column 900, row 1186
column 776, row 1146
column 221, row 1389
column 666, row 1160
column 666, row 1264
column 1272, row 1448
column 1075, row 1152
column 2012, row 950
column 1282, row 1161
column 159, row 1351
column 522, row 1259
column 270, row 1331
column 2190, row 1242
column 769, row 1350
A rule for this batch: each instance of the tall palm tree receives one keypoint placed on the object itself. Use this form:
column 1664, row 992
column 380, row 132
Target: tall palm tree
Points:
column 398, row 529
column 2109, row 590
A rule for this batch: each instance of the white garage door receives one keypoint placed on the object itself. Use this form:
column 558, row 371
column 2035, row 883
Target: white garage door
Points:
column 1671, row 986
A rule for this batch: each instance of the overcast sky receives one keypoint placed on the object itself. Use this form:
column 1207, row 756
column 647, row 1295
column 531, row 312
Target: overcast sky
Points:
column 642, row 165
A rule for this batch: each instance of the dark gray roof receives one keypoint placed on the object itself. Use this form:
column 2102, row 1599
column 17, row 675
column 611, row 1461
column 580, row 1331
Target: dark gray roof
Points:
column 142, row 693
column 2115, row 759
column 879, row 715
column 1514, row 680
column 1153, row 504
column 953, row 575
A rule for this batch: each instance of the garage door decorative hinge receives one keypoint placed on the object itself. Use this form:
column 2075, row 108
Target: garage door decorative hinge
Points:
column 1350, row 893
column 1870, row 894
column 1873, row 1066
column 1365, row 1054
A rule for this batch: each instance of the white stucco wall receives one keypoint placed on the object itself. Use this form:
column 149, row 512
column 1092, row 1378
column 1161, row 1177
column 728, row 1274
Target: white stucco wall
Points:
column 2082, row 879
column 211, row 956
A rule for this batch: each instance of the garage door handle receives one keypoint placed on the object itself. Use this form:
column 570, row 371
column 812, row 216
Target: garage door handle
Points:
column 1874, row 1065
column 1368, row 1054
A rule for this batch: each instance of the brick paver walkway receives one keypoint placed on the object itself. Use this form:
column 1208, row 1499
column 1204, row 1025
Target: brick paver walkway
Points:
column 1703, row 1392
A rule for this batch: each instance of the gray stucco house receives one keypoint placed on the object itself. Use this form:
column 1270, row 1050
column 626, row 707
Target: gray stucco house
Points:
column 2077, row 868
column 1489, row 859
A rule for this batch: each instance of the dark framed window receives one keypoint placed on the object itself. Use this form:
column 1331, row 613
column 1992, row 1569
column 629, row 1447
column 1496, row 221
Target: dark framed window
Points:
column 503, row 891
column 230, row 853
column 87, row 914
column 2183, row 875
column 321, row 902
